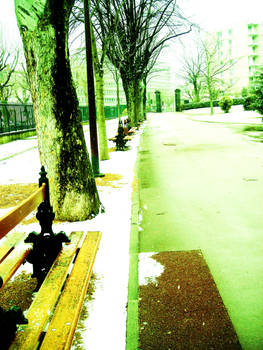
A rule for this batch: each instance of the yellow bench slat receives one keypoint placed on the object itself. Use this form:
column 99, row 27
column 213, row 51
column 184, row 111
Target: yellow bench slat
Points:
column 15, row 216
column 64, row 321
column 13, row 261
column 46, row 298
column 10, row 241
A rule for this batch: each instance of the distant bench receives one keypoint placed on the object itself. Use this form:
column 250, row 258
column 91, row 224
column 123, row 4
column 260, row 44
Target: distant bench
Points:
column 123, row 135
column 63, row 272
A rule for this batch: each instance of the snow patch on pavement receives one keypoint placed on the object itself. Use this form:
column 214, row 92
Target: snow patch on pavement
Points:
column 149, row 269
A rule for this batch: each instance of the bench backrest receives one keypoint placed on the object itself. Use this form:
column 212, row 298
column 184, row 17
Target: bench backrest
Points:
column 15, row 216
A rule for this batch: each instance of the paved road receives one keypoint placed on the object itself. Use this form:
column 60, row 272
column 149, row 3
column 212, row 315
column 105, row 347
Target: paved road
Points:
column 201, row 187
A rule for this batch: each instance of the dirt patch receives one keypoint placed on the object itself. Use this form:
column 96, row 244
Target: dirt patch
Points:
column 108, row 180
column 11, row 195
column 182, row 308
column 18, row 292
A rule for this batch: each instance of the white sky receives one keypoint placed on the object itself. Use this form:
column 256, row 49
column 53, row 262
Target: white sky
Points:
column 212, row 15
column 8, row 24
column 220, row 13
column 209, row 14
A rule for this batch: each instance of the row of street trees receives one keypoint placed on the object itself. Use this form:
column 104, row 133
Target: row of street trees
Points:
column 131, row 33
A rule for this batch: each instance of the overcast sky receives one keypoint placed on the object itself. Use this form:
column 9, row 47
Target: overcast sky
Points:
column 209, row 14
column 8, row 23
column 213, row 14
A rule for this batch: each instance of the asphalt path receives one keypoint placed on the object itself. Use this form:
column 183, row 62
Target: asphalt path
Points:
column 201, row 187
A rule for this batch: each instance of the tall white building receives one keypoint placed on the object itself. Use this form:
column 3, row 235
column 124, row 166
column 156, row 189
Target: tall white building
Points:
column 242, row 42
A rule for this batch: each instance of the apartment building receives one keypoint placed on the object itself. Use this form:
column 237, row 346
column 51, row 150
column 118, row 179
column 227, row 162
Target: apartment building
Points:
column 243, row 44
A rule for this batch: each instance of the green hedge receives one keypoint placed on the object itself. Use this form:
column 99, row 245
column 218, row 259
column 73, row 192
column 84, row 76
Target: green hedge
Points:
column 249, row 103
column 236, row 101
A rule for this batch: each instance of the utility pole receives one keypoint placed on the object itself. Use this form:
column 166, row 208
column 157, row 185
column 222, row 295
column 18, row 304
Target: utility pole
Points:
column 91, row 94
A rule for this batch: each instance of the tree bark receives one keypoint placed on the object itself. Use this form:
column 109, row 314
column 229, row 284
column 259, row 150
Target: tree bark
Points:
column 210, row 98
column 144, row 99
column 43, row 26
column 118, row 93
column 132, row 93
column 196, row 91
column 103, row 143
column 99, row 75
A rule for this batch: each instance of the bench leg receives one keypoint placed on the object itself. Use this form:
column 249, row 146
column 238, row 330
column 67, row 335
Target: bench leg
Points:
column 46, row 248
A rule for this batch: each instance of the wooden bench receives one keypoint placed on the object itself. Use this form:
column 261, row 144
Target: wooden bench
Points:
column 53, row 315
column 129, row 131
column 122, row 136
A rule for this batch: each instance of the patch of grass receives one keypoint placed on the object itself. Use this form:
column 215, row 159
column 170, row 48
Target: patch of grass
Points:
column 253, row 128
column 11, row 195
column 255, row 132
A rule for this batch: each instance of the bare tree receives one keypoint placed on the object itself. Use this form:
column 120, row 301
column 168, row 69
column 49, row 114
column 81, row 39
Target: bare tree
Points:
column 99, row 49
column 143, row 27
column 191, row 72
column 22, row 91
column 44, row 26
column 116, row 77
column 213, row 67
column 8, row 63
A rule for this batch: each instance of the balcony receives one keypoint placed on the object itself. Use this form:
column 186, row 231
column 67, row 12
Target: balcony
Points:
column 252, row 29
column 252, row 52
column 252, row 43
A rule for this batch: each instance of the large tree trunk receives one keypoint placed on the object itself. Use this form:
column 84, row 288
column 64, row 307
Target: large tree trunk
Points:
column 132, row 93
column 103, row 143
column 44, row 29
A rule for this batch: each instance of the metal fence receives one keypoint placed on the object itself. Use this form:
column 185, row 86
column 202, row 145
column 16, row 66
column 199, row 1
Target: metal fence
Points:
column 16, row 117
